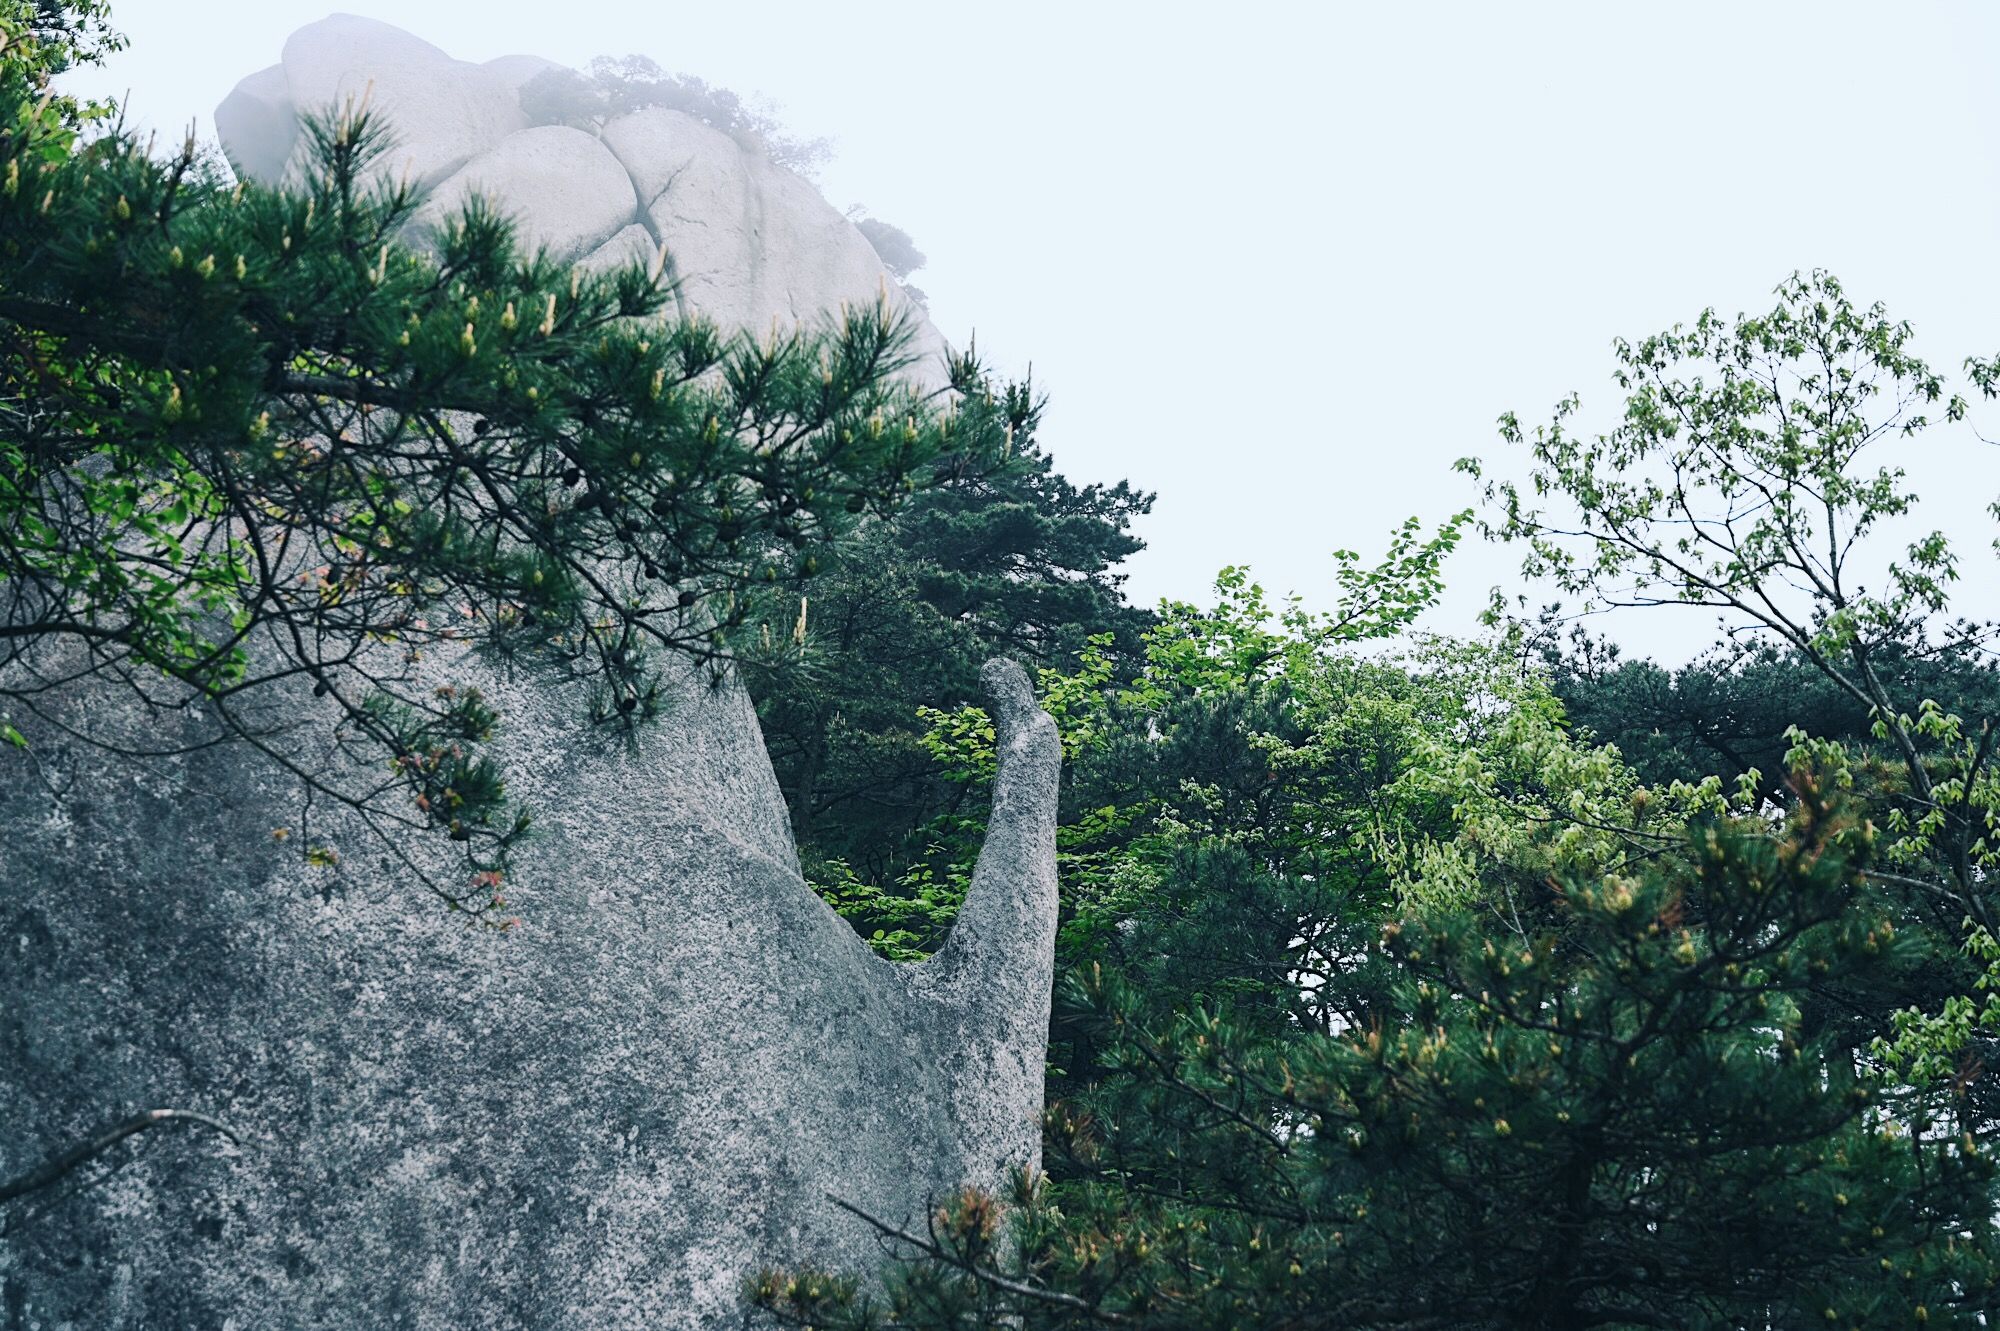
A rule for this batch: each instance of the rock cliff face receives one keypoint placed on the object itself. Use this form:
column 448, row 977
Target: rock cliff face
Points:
column 606, row 1118
column 748, row 242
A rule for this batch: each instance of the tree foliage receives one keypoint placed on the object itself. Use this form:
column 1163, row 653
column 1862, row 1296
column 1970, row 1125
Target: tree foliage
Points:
column 899, row 253
column 1413, row 983
column 1000, row 555
column 1744, row 477
column 1617, row 1120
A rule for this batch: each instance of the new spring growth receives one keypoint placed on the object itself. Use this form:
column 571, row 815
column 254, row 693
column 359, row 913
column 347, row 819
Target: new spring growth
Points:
column 507, row 319
column 466, row 342
column 242, row 268
column 206, row 268
column 351, row 113
column 799, row 629
column 381, row 268
column 175, row 258
column 548, row 324
column 659, row 264
column 13, row 185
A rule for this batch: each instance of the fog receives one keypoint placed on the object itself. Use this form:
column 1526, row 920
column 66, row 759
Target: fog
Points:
column 1284, row 265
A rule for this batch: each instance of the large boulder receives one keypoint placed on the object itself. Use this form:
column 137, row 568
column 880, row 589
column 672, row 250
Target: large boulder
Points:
column 750, row 244
column 607, row 1117
column 633, row 245
column 258, row 125
column 563, row 189
column 444, row 112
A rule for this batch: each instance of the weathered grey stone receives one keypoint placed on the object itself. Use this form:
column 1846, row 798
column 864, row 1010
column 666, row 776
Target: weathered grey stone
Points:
column 607, row 1117
column 444, row 112
column 566, row 192
column 259, row 126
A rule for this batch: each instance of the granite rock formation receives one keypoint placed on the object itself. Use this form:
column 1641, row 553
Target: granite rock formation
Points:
column 748, row 242
column 607, row 1117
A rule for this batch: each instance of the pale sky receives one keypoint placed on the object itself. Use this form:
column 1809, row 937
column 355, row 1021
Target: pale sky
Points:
column 1282, row 263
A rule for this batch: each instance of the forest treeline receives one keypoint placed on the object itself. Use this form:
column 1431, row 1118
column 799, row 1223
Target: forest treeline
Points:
column 1404, row 981
column 1409, row 981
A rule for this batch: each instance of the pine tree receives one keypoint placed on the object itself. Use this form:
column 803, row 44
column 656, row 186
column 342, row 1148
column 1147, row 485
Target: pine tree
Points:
column 995, row 555
column 1617, row 1118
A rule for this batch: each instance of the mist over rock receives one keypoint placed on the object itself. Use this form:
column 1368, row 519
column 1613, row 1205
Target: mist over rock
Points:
column 259, row 125
column 447, row 111
column 746, row 238
column 749, row 243
column 516, row 70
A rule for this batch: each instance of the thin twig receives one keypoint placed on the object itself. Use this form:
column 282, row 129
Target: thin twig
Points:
column 985, row 1275
column 55, row 1170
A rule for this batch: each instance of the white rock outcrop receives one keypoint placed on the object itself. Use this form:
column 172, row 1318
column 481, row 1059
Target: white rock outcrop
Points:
column 446, row 111
column 258, row 124
column 563, row 188
column 749, row 243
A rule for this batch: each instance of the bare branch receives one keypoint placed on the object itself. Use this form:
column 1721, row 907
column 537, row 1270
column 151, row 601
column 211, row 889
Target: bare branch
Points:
column 69, row 1161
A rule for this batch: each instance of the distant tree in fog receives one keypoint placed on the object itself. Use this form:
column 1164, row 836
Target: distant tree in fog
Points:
column 617, row 86
column 898, row 252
